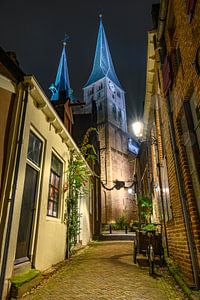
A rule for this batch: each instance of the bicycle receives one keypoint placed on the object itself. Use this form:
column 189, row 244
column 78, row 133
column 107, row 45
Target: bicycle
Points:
column 149, row 244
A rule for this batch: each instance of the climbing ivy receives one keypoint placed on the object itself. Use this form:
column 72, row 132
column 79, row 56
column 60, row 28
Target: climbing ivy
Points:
column 145, row 208
column 78, row 179
column 86, row 148
column 78, row 185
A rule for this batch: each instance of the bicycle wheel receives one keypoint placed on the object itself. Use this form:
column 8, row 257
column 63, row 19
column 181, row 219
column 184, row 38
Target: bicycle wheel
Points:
column 134, row 251
column 151, row 260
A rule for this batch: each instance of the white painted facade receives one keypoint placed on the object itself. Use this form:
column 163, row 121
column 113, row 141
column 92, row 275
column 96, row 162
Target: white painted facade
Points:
column 48, row 233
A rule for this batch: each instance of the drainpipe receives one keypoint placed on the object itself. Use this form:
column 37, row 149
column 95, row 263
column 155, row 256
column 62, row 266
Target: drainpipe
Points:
column 14, row 187
column 162, row 19
column 182, row 196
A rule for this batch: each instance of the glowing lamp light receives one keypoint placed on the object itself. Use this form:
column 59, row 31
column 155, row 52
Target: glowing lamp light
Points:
column 130, row 191
column 138, row 129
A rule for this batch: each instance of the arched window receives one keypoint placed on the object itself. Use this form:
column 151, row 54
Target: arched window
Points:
column 114, row 110
column 119, row 115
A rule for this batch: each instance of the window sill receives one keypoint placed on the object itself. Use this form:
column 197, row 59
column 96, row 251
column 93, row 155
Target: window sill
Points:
column 53, row 219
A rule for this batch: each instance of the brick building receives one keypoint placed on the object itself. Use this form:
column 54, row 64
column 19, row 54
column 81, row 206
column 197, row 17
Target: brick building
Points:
column 172, row 116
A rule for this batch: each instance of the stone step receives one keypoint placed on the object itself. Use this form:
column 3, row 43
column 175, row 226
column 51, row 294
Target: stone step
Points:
column 117, row 237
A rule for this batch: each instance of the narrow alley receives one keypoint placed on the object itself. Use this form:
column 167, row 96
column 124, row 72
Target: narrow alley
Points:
column 105, row 270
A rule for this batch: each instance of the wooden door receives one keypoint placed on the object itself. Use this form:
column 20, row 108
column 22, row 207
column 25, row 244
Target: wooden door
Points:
column 27, row 214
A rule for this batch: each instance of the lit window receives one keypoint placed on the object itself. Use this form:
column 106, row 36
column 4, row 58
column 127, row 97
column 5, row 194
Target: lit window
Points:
column 54, row 187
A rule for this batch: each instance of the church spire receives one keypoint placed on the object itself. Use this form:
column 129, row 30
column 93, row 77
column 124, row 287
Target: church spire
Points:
column 102, row 65
column 61, row 87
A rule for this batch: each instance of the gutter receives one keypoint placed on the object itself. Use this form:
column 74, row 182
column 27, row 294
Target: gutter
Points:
column 162, row 20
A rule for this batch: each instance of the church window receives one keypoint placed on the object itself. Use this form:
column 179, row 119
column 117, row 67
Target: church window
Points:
column 118, row 94
column 100, row 106
column 98, row 95
column 119, row 115
column 113, row 96
column 100, row 86
column 91, row 91
column 114, row 110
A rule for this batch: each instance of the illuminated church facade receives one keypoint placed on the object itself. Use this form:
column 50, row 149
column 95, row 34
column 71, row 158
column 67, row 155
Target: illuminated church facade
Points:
column 117, row 163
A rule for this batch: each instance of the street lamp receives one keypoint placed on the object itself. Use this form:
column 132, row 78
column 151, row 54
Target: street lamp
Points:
column 138, row 128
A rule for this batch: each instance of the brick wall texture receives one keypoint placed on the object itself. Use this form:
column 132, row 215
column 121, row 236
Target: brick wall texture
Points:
column 116, row 163
column 182, row 32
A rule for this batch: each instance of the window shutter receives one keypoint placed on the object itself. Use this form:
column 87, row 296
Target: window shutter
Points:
column 166, row 72
column 194, row 143
column 190, row 5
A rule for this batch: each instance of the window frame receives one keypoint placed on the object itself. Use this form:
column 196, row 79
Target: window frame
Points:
column 39, row 170
column 58, row 188
column 189, row 139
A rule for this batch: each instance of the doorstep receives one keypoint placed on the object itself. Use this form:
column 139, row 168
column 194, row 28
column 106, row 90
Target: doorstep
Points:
column 23, row 282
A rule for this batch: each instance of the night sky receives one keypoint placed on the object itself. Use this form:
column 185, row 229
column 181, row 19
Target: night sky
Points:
column 35, row 30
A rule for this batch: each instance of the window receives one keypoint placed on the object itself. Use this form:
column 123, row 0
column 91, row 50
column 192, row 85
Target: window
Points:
column 119, row 115
column 114, row 110
column 100, row 86
column 176, row 59
column 118, row 94
column 195, row 109
column 190, row 129
column 54, row 187
column 190, row 6
column 165, row 191
column 91, row 91
column 100, row 107
column 34, row 149
column 167, row 76
column 29, row 199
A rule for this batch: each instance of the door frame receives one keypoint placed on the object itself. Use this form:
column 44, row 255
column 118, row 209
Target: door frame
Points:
column 34, row 224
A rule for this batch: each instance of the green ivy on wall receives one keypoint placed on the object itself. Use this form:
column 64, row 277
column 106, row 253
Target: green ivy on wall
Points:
column 79, row 182
column 78, row 179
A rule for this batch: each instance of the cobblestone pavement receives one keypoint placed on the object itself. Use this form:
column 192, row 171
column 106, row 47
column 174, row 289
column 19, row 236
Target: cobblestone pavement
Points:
column 105, row 271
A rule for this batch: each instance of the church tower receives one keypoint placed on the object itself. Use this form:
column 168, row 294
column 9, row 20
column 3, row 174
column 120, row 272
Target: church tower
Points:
column 61, row 91
column 104, row 88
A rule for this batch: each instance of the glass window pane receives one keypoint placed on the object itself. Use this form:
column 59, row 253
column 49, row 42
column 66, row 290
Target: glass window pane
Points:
column 34, row 149
column 50, row 208
column 56, row 165
column 54, row 187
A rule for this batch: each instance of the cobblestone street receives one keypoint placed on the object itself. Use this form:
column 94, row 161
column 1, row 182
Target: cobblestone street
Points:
column 103, row 271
